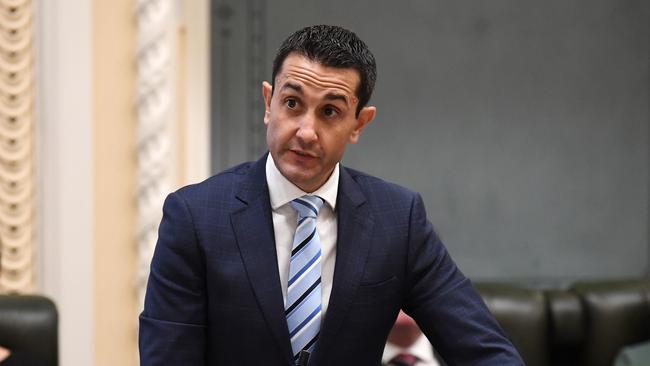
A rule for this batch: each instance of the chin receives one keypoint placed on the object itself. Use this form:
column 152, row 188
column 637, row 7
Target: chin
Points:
column 294, row 174
column 300, row 182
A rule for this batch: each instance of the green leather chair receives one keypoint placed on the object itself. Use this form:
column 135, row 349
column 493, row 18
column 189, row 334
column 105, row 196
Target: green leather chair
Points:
column 29, row 326
column 586, row 324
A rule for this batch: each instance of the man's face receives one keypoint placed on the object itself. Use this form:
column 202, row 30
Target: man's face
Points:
column 310, row 118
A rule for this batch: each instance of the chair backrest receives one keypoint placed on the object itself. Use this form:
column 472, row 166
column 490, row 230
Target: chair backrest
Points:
column 583, row 325
column 523, row 314
column 29, row 325
column 617, row 314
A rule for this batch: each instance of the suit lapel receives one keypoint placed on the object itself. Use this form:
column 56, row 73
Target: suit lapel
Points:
column 253, row 227
column 355, row 224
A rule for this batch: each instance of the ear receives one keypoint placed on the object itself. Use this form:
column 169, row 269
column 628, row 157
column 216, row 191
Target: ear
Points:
column 366, row 115
column 267, row 93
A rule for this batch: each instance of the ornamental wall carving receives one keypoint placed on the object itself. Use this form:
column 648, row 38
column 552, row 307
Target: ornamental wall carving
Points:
column 16, row 147
column 155, row 115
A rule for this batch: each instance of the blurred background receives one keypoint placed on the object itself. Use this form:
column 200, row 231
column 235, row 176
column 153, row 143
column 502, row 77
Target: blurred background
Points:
column 523, row 124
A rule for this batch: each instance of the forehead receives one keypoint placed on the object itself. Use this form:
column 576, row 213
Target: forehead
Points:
column 299, row 69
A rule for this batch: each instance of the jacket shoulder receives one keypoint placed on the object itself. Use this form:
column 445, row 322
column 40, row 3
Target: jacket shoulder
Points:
column 225, row 182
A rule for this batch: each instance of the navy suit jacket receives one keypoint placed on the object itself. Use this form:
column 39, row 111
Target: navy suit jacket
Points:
column 214, row 294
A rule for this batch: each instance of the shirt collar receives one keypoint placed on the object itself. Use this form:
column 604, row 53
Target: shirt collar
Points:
column 282, row 191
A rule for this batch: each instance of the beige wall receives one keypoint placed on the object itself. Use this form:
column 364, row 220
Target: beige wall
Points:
column 114, row 77
column 64, row 135
column 87, row 205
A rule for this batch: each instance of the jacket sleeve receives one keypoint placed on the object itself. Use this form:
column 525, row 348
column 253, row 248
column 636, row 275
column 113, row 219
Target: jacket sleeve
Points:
column 173, row 323
column 445, row 304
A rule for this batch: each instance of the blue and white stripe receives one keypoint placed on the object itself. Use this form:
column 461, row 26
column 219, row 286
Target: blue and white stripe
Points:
column 303, row 306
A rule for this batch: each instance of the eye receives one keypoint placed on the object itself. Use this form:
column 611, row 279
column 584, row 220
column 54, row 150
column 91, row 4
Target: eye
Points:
column 291, row 103
column 330, row 112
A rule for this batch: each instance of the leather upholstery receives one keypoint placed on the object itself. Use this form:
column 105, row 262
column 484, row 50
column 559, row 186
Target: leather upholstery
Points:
column 585, row 324
column 567, row 328
column 522, row 313
column 29, row 325
column 618, row 314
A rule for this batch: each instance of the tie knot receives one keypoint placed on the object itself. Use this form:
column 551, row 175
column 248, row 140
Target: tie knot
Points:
column 307, row 206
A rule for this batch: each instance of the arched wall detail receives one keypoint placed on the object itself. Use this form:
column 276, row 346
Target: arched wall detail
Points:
column 16, row 147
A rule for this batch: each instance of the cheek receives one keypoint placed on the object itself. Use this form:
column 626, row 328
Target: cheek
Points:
column 270, row 134
column 277, row 133
column 334, row 146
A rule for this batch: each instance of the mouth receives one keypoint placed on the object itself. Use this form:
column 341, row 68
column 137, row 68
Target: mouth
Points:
column 303, row 157
column 303, row 154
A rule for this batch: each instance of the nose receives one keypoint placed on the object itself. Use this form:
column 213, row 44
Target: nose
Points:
column 306, row 132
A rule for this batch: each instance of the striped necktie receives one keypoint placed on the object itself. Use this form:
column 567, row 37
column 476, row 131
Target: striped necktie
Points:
column 303, row 306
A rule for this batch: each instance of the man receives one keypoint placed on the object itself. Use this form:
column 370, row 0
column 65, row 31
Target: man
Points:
column 407, row 346
column 295, row 257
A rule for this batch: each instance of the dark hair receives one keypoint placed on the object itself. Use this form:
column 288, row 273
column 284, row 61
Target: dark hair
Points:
column 332, row 46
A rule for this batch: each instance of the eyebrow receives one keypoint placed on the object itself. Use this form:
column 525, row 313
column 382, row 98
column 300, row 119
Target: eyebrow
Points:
column 329, row 96
column 336, row 96
column 295, row 87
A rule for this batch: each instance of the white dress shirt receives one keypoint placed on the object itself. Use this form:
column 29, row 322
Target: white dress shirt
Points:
column 422, row 349
column 281, row 192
